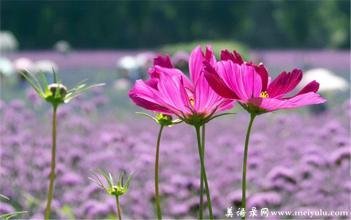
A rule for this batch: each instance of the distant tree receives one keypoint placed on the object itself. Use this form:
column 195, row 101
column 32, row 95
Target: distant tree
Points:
column 146, row 24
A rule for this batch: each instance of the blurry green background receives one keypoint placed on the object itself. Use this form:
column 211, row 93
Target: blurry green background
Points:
column 149, row 24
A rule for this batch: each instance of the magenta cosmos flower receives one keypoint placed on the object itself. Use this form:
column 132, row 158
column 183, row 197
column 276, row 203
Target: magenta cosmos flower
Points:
column 251, row 86
column 171, row 92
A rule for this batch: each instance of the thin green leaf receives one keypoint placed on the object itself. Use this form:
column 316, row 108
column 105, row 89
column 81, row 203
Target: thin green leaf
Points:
column 120, row 179
column 111, row 178
column 97, row 181
column 177, row 121
column 55, row 77
column 128, row 181
column 34, row 78
column 216, row 116
column 79, row 91
column 34, row 84
column 30, row 200
column 11, row 215
column 147, row 115
column 43, row 80
column 77, row 85
column 4, row 197
column 107, row 178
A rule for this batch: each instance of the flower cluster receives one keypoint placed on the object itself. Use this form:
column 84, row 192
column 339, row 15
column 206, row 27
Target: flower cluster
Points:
column 214, row 84
column 170, row 91
column 213, row 87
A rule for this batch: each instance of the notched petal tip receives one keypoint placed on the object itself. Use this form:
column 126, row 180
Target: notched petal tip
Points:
column 208, row 53
column 163, row 61
column 310, row 87
column 234, row 57
column 284, row 83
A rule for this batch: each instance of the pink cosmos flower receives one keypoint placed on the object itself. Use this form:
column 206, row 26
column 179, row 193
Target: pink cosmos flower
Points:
column 169, row 91
column 251, row 86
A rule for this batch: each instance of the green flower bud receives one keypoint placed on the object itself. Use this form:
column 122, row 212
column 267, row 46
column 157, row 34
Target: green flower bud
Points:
column 118, row 190
column 56, row 86
column 111, row 185
column 164, row 120
column 56, row 93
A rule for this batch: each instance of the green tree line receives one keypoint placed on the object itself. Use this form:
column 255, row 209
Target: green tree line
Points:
column 39, row 24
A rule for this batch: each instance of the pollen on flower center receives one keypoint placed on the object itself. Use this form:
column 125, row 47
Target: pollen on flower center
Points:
column 264, row 94
column 192, row 101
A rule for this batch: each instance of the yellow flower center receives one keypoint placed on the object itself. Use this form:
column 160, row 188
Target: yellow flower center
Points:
column 264, row 94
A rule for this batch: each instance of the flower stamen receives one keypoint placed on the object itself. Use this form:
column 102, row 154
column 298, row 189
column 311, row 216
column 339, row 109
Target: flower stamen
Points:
column 264, row 94
column 192, row 102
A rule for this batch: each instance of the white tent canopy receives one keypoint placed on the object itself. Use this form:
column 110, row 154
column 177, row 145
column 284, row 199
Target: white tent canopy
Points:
column 328, row 81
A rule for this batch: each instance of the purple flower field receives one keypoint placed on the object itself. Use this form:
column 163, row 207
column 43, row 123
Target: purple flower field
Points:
column 297, row 161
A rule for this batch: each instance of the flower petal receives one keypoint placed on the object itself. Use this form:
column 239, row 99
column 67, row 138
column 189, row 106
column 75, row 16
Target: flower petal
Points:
column 207, row 101
column 235, row 56
column 196, row 59
column 243, row 79
column 310, row 87
column 273, row 104
column 169, row 87
column 217, row 83
column 152, row 82
column 205, row 97
column 284, row 83
column 146, row 97
column 225, row 104
column 164, row 61
column 261, row 70
column 184, row 95
column 174, row 72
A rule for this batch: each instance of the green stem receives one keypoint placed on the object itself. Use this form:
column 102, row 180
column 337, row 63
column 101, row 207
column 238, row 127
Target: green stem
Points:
column 157, row 195
column 243, row 201
column 52, row 166
column 118, row 209
column 203, row 170
column 201, row 174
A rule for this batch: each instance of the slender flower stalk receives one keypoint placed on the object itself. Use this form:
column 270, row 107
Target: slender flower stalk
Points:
column 56, row 94
column 157, row 194
column 246, row 150
column 112, row 187
column 52, row 165
column 203, row 171
column 119, row 212
column 164, row 121
column 201, row 174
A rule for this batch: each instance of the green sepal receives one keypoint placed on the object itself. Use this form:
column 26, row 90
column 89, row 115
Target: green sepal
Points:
column 162, row 119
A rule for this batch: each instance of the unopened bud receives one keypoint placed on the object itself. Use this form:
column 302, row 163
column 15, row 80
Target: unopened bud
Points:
column 61, row 89
column 164, row 120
